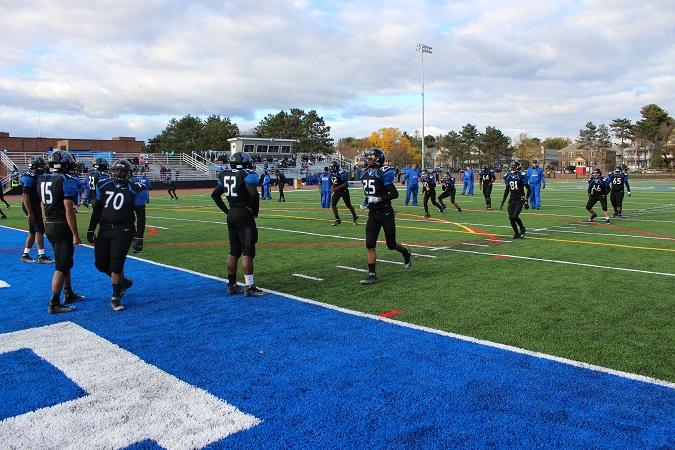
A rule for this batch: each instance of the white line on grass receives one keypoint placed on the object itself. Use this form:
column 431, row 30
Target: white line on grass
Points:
column 476, row 245
column 390, row 262
column 300, row 275
column 352, row 268
column 427, row 256
column 156, row 226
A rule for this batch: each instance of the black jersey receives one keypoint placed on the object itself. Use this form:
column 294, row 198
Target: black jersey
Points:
column 94, row 178
column 339, row 178
column 30, row 185
column 428, row 182
column 617, row 181
column 375, row 182
column 487, row 178
column 516, row 184
column 120, row 199
column 234, row 183
column 54, row 189
column 598, row 186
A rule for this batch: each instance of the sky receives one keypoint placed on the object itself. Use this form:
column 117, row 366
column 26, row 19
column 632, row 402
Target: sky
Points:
column 102, row 68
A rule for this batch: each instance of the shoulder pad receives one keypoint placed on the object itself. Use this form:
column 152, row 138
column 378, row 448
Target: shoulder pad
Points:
column 385, row 168
column 139, row 186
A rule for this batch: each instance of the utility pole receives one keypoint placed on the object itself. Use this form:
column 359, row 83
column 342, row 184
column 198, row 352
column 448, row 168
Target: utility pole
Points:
column 422, row 48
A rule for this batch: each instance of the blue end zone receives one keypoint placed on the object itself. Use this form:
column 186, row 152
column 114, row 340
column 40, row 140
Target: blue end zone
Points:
column 29, row 383
column 317, row 377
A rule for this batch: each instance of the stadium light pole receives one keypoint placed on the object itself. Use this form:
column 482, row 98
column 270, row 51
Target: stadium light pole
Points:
column 422, row 48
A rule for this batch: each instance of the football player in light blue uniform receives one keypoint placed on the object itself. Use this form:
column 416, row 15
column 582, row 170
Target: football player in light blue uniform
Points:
column 537, row 182
column 325, row 185
column 467, row 178
column 411, row 179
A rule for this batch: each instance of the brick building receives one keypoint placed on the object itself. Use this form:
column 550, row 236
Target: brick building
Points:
column 40, row 144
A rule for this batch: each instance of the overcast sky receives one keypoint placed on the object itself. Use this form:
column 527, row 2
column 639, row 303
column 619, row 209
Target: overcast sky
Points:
column 97, row 69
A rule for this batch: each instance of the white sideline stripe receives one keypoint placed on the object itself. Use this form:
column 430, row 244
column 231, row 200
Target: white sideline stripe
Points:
column 555, row 261
column 300, row 275
column 477, row 245
column 4, row 284
column 127, row 401
column 510, row 348
column 389, row 262
column 351, row 268
column 435, row 250
column 156, row 226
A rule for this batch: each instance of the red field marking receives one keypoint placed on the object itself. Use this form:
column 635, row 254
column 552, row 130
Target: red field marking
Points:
column 389, row 314
column 501, row 257
column 646, row 233
column 152, row 232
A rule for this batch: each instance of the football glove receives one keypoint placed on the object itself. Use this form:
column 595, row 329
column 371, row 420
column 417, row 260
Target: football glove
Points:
column 91, row 237
column 137, row 244
column 526, row 205
column 364, row 205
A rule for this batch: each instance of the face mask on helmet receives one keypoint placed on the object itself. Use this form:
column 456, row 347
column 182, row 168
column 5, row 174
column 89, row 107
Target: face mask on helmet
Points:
column 60, row 161
column 241, row 160
column 121, row 170
column 38, row 165
column 374, row 157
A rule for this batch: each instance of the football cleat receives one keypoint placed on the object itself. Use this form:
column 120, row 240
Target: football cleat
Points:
column 72, row 298
column 234, row 289
column 355, row 220
column 372, row 279
column 44, row 259
column 407, row 259
column 25, row 257
column 522, row 233
column 253, row 291
column 116, row 304
column 592, row 218
column 58, row 309
column 607, row 220
column 336, row 222
column 426, row 216
column 516, row 236
column 459, row 210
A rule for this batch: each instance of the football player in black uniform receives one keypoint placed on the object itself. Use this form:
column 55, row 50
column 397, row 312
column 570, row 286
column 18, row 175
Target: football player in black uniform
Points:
column 239, row 185
column 58, row 193
column 487, row 178
column 429, row 191
column 119, row 212
column 281, row 182
column 449, row 190
column 597, row 192
column 617, row 181
column 2, row 199
column 96, row 176
column 378, row 186
column 31, row 207
column 171, row 185
column 516, row 185
column 340, row 190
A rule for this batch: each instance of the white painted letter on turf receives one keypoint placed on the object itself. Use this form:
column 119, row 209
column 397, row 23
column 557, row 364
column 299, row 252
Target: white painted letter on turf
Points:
column 129, row 400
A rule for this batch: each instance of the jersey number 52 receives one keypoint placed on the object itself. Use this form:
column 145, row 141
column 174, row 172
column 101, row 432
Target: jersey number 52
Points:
column 229, row 185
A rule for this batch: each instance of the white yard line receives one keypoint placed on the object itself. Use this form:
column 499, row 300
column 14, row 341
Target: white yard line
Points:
column 355, row 269
column 399, row 263
column 300, row 275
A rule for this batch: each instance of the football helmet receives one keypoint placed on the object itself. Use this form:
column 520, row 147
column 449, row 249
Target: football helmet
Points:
column 61, row 161
column 618, row 170
column 241, row 160
column 374, row 157
column 335, row 166
column 101, row 164
column 37, row 165
column 121, row 170
column 485, row 169
column 515, row 166
column 597, row 173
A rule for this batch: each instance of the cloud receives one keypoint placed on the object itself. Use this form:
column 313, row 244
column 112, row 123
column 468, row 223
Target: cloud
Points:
column 544, row 67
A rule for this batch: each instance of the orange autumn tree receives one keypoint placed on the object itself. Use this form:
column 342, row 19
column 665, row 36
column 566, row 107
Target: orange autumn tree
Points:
column 396, row 146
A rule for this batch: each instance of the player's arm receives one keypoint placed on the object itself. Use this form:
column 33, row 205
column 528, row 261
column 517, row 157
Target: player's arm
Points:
column 589, row 187
column 391, row 192
column 506, row 194
column 217, row 196
column 26, row 197
column 625, row 181
column 251, row 181
column 71, row 188
column 543, row 179
column 527, row 194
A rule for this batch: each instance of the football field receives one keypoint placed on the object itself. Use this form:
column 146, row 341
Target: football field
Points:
column 563, row 339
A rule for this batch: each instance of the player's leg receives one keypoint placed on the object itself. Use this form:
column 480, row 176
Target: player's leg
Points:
column 373, row 226
column 248, row 234
column 517, row 210
column 443, row 195
column 348, row 203
column 619, row 202
column 120, row 241
column 603, row 205
column 102, row 250
column 488, row 196
column 425, row 201
column 333, row 205
column 61, row 240
column 408, row 191
column 39, row 227
column 388, row 221
column 615, row 203
column 434, row 202
column 453, row 192
column 30, row 239
column 592, row 200
column 233, row 219
column 415, row 190
column 512, row 219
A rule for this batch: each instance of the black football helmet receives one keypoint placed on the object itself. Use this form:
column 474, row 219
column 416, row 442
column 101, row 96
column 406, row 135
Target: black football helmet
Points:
column 335, row 167
column 374, row 157
column 241, row 160
column 61, row 161
column 121, row 170
column 101, row 164
column 618, row 170
column 37, row 165
column 597, row 173
column 515, row 166
column 485, row 169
